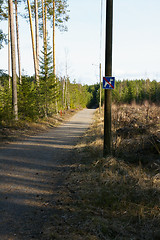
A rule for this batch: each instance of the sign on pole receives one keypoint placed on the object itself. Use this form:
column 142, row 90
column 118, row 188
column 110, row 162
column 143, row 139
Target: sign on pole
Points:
column 108, row 82
column 108, row 72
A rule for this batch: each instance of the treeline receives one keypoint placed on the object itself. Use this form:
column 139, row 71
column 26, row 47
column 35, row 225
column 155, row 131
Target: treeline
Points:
column 128, row 91
column 43, row 100
column 53, row 95
column 139, row 91
column 43, row 13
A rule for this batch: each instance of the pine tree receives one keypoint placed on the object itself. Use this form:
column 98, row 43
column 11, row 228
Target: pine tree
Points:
column 3, row 15
column 33, row 43
column 18, row 45
column 13, row 55
column 47, row 83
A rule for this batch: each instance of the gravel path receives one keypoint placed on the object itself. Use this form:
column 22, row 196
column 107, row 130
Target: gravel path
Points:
column 31, row 172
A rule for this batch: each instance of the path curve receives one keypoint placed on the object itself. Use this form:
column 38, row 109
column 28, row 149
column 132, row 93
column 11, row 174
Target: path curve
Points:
column 31, row 170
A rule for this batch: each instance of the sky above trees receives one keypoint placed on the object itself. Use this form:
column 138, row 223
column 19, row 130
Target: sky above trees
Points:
column 136, row 45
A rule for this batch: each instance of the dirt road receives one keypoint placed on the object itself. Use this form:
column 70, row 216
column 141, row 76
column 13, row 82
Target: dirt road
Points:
column 31, row 172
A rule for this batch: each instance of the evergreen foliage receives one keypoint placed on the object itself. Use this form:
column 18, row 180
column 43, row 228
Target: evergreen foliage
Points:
column 5, row 99
column 94, row 92
column 79, row 95
column 48, row 85
column 136, row 90
column 40, row 101
column 3, row 16
column 28, row 99
column 128, row 91
column 61, row 16
column 72, row 95
column 2, row 38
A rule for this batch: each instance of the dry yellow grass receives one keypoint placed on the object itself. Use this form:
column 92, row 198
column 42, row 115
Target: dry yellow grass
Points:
column 112, row 198
column 9, row 131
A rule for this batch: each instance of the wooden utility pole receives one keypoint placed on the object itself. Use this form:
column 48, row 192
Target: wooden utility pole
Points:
column 100, row 87
column 108, row 72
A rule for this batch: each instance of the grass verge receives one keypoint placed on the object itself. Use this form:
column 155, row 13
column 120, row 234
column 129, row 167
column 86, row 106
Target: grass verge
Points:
column 111, row 198
column 12, row 130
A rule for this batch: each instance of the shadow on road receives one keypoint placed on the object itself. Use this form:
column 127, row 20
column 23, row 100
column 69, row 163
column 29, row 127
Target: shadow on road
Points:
column 31, row 172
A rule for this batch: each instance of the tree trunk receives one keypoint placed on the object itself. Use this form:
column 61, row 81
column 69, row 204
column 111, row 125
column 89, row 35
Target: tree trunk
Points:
column 18, row 46
column 44, row 16
column 54, row 69
column 43, row 22
column 63, row 98
column 54, row 62
column 37, row 35
column 33, row 44
column 13, row 56
column 45, row 36
column 9, row 51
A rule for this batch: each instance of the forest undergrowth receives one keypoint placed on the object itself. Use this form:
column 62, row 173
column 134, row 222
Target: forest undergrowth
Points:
column 117, row 197
column 12, row 130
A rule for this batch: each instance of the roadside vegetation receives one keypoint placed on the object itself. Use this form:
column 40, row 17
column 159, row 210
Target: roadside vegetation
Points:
column 128, row 91
column 103, row 198
column 115, row 197
column 43, row 101
column 39, row 107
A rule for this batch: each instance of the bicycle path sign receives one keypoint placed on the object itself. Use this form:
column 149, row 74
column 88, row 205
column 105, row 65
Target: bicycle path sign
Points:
column 108, row 82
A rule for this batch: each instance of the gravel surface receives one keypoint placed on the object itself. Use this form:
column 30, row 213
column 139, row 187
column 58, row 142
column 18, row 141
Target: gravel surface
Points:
column 31, row 172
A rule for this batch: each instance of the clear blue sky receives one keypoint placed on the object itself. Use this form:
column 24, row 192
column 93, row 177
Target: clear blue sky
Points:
column 136, row 41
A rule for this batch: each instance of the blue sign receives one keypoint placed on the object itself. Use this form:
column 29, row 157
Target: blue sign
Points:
column 108, row 82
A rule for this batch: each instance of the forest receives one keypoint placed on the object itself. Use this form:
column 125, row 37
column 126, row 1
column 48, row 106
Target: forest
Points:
column 39, row 102
column 128, row 91
column 42, row 91
column 58, row 185
column 43, row 101
column 44, row 94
